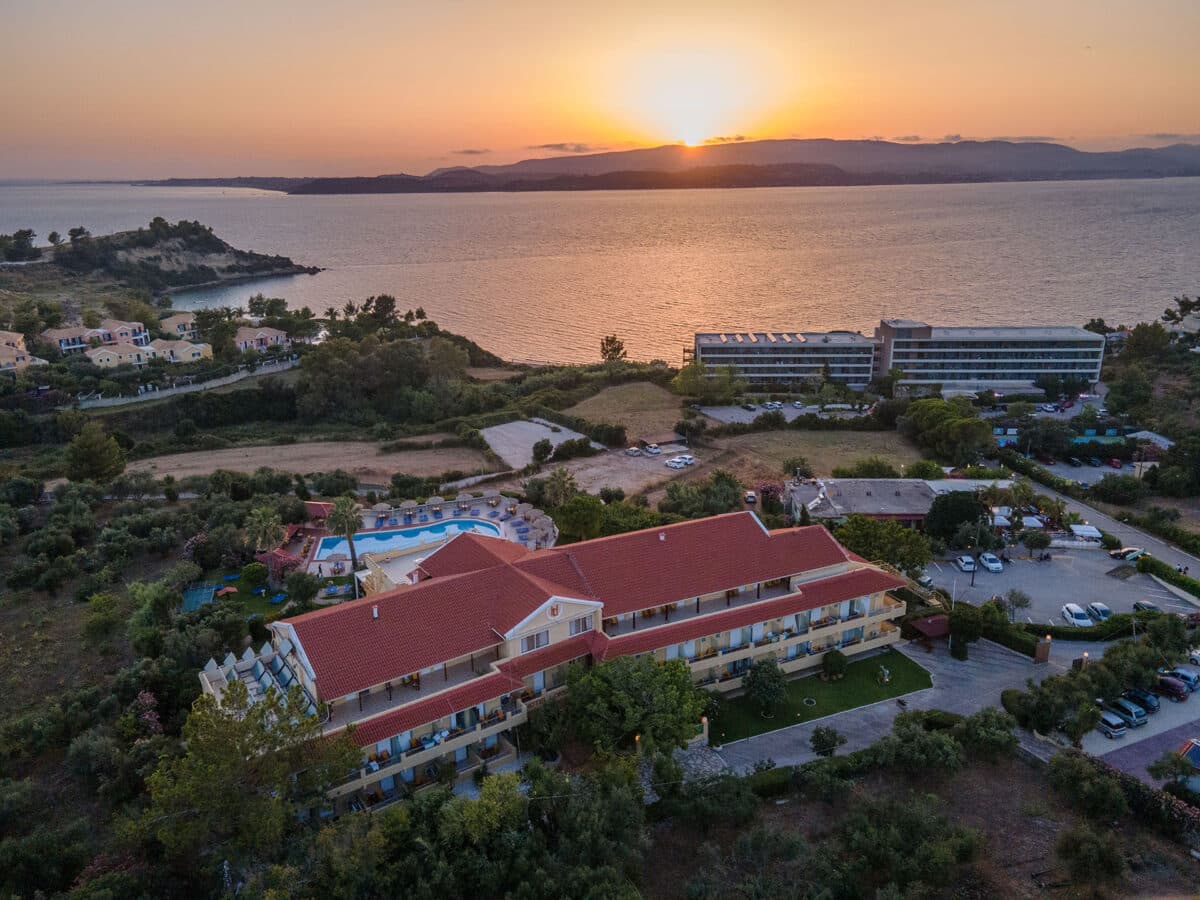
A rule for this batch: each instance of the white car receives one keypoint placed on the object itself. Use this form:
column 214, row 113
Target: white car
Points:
column 686, row 458
column 633, row 451
column 1073, row 614
column 751, row 497
column 652, row 450
column 676, row 464
column 965, row 563
column 991, row 562
column 797, row 404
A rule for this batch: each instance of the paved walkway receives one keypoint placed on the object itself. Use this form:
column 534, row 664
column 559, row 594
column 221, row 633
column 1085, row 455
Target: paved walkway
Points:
column 963, row 687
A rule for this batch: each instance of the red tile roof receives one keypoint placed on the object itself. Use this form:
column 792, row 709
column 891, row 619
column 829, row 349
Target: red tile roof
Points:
column 423, row 712
column 470, row 552
column 317, row 509
column 831, row 590
column 548, row 657
column 484, row 587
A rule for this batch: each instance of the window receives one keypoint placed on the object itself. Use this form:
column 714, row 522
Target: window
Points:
column 533, row 641
column 580, row 625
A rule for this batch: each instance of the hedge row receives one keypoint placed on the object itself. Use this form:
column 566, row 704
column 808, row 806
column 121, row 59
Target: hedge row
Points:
column 1167, row 573
column 1116, row 627
column 1027, row 467
column 774, row 421
column 1012, row 637
column 1176, row 534
column 1153, row 807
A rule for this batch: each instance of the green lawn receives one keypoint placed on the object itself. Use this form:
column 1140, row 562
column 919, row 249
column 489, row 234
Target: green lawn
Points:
column 261, row 603
column 739, row 718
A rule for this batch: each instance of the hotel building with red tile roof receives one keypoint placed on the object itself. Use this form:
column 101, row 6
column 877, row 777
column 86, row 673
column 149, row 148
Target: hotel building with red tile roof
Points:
column 439, row 671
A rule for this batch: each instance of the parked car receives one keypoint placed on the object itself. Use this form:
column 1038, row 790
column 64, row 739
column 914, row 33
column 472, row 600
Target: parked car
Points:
column 1073, row 614
column 797, row 404
column 687, row 459
column 1103, row 410
column 1194, row 656
column 676, row 464
column 751, row 497
column 991, row 562
column 1114, row 463
column 652, row 450
column 1189, row 677
column 1129, row 553
column 1171, row 688
column 1067, row 404
column 1146, row 606
column 1044, row 458
column 1110, row 725
column 1143, row 698
column 965, row 563
column 1099, row 612
column 749, row 407
column 1095, row 461
column 925, row 581
column 1076, row 462
column 634, row 451
column 1128, row 712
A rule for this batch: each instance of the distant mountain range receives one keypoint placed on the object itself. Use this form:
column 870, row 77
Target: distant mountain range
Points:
column 760, row 164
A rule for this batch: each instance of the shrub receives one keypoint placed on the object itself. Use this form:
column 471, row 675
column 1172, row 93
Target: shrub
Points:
column 1089, row 789
column 825, row 741
column 1090, row 856
column 254, row 574
column 723, row 800
column 988, row 733
column 542, row 450
column 774, row 781
column 834, row 663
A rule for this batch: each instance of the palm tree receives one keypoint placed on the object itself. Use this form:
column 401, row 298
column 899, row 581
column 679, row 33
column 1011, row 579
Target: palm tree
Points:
column 1022, row 493
column 264, row 531
column 331, row 314
column 345, row 519
column 560, row 487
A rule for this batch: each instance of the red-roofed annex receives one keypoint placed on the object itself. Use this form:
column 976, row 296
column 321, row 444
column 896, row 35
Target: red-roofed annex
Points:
column 441, row 670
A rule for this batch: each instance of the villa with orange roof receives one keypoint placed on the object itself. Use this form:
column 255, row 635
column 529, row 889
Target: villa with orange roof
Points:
column 437, row 673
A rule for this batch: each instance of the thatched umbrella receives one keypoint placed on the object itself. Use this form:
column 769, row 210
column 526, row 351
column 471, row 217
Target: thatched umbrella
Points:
column 408, row 504
column 523, row 508
column 382, row 507
column 435, row 502
column 464, row 500
column 491, row 496
column 532, row 513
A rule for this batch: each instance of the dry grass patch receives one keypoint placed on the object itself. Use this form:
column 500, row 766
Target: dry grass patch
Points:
column 360, row 458
column 647, row 411
column 757, row 457
column 491, row 373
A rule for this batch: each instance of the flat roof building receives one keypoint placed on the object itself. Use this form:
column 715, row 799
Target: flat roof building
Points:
column 789, row 359
column 1000, row 358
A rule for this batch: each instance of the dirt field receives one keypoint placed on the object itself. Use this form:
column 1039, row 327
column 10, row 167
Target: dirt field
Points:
column 359, row 458
column 647, row 411
column 758, row 457
column 613, row 469
column 481, row 373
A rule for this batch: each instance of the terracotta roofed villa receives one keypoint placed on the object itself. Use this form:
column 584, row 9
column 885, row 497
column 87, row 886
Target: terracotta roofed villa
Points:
column 439, row 672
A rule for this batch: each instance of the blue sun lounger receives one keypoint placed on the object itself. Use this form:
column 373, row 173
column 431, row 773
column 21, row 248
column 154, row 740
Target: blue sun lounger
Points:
column 279, row 598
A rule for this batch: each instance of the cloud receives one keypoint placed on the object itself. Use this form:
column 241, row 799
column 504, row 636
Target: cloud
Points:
column 1169, row 136
column 471, row 151
column 952, row 138
column 908, row 138
column 1025, row 138
column 567, row 147
column 726, row 139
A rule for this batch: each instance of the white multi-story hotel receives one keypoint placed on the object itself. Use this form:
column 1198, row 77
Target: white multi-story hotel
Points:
column 790, row 359
column 986, row 357
column 964, row 357
column 435, row 675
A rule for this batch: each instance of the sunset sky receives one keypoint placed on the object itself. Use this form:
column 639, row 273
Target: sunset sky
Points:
column 151, row 88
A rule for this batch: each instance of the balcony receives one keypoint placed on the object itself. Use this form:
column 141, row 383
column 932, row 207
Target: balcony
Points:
column 671, row 613
column 407, row 691
column 424, row 753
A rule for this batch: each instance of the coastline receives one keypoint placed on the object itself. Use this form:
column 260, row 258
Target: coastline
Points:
column 241, row 279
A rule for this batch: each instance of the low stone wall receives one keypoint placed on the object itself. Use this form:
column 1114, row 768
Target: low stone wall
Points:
column 261, row 369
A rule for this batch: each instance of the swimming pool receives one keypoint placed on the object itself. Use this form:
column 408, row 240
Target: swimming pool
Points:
column 402, row 538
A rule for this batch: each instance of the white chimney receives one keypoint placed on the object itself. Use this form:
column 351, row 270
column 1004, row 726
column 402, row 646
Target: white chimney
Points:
column 374, row 612
column 662, row 535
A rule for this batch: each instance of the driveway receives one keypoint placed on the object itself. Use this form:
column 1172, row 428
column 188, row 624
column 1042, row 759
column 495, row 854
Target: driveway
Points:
column 961, row 686
column 1147, row 745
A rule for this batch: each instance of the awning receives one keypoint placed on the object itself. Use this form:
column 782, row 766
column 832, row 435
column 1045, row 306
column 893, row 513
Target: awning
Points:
column 999, row 521
column 1086, row 531
column 1031, row 522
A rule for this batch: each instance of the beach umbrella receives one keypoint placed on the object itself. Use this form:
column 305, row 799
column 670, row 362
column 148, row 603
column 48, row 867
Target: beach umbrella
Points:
column 464, row 499
column 408, row 504
column 382, row 507
column 226, row 590
column 523, row 508
column 435, row 501
column 336, row 557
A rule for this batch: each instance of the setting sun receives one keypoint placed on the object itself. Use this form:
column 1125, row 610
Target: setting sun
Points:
column 692, row 95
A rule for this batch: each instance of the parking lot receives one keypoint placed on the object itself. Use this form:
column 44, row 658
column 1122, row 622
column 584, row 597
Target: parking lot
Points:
column 1087, row 474
column 1070, row 576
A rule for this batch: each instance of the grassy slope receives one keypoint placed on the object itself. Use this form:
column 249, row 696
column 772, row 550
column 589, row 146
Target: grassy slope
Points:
column 755, row 457
column 647, row 411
